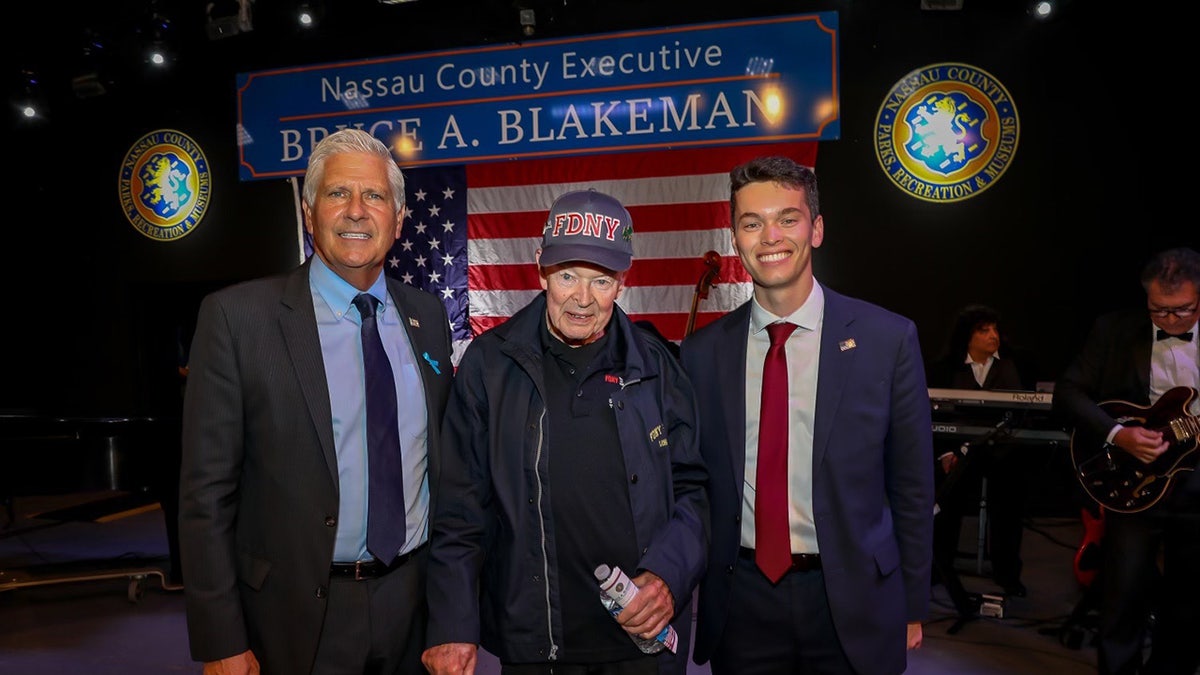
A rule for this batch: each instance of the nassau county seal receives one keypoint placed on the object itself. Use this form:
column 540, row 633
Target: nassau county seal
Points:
column 946, row 132
column 165, row 185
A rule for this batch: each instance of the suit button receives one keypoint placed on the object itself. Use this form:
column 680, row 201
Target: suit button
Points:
column 737, row 518
column 729, row 569
column 330, row 521
column 633, row 479
column 620, row 405
column 322, row 592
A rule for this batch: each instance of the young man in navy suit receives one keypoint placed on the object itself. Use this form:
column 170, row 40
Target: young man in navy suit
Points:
column 858, row 511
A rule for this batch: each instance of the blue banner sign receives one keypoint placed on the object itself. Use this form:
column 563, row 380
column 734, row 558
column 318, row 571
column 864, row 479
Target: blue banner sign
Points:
column 749, row 81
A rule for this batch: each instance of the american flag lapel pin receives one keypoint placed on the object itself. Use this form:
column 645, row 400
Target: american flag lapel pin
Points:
column 413, row 322
column 846, row 345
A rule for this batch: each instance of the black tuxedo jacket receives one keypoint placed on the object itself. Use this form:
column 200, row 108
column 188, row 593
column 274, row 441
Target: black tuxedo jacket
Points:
column 957, row 374
column 1113, row 365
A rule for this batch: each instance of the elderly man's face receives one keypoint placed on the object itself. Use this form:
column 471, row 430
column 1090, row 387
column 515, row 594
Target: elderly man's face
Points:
column 579, row 300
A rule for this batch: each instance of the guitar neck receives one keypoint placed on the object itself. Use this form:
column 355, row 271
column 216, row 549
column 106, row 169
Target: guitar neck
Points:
column 691, row 320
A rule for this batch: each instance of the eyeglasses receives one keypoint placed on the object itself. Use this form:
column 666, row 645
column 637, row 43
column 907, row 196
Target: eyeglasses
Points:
column 1182, row 312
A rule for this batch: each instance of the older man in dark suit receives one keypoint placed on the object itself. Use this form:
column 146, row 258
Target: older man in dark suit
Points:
column 822, row 517
column 280, row 486
column 1135, row 357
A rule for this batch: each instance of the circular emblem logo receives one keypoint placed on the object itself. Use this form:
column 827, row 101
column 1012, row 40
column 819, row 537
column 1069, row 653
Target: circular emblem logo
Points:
column 946, row 132
column 165, row 185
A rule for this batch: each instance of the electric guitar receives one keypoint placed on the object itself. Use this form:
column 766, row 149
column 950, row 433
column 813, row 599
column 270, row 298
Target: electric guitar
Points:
column 1119, row 481
column 1087, row 557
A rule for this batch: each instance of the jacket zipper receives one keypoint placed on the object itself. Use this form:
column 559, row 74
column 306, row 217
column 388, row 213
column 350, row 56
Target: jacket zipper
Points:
column 537, row 463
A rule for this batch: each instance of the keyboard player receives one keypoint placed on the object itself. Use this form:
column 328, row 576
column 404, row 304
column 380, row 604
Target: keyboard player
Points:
column 972, row 361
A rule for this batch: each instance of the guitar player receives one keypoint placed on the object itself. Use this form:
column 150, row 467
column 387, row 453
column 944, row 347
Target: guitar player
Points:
column 1151, row 556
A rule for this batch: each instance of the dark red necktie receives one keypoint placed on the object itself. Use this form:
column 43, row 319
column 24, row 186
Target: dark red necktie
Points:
column 772, row 538
column 385, row 483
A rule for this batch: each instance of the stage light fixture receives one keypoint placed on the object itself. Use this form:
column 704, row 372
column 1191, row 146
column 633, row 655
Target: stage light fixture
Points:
column 528, row 22
column 29, row 102
column 227, row 18
column 309, row 14
column 88, row 85
column 88, row 82
column 161, row 49
column 158, row 54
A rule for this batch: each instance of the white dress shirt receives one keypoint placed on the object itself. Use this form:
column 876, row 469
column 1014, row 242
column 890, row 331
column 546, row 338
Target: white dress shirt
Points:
column 803, row 351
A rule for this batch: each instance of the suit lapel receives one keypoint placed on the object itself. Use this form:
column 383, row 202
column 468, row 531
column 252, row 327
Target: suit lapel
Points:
column 834, row 370
column 990, row 379
column 425, row 342
column 298, row 323
column 732, row 372
column 420, row 338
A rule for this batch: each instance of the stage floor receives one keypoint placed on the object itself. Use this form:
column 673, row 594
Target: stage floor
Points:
column 97, row 627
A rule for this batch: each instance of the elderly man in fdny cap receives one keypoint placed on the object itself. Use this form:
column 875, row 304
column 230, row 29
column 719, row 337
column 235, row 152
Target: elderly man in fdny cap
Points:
column 570, row 443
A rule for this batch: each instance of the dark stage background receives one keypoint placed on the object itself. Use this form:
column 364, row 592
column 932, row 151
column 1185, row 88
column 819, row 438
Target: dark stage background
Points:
column 97, row 316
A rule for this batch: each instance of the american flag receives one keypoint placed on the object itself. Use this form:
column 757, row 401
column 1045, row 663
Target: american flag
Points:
column 470, row 232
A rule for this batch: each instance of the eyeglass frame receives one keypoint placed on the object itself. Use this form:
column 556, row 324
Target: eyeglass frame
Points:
column 1181, row 312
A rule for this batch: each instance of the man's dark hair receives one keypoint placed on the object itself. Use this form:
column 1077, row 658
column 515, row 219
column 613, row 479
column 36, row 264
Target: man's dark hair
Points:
column 1171, row 268
column 774, row 169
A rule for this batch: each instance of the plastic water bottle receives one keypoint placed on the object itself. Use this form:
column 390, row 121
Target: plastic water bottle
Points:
column 616, row 591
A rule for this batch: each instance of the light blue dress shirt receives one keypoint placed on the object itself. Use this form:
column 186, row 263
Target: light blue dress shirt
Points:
column 339, row 325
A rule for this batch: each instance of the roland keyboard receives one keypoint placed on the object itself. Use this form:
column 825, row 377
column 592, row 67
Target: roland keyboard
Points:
column 971, row 414
column 1022, row 400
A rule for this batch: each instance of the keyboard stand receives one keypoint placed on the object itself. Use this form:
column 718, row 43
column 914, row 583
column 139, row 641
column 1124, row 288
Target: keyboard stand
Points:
column 965, row 604
column 981, row 540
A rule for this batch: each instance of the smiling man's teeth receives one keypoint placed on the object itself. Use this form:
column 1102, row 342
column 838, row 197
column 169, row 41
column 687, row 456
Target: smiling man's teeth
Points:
column 355, row 235
column 773, row 257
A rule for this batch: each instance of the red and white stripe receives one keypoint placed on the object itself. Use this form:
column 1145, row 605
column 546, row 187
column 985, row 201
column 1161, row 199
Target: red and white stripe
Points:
column 679, row 201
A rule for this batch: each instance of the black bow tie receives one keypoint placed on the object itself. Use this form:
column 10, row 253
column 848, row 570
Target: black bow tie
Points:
column 1163, row 335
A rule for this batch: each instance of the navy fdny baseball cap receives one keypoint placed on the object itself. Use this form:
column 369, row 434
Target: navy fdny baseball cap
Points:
column 588, row 226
